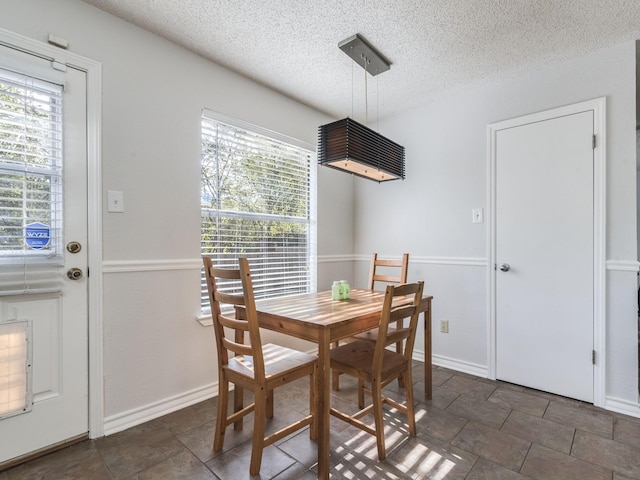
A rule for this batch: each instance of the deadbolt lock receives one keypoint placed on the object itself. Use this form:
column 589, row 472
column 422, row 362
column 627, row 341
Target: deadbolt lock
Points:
column 74, row 247
column 74, row 273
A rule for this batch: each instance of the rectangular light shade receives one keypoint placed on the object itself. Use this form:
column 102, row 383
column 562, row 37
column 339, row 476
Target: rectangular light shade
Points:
column 350, row 146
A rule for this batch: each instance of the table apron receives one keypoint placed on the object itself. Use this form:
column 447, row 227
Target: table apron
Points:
column 309, row 331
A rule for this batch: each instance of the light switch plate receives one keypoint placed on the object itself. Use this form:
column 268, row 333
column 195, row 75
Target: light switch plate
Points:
column 115, row 201
column 477, row 215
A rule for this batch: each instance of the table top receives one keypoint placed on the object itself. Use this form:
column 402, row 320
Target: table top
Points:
column 319, row 308
column 306, row 314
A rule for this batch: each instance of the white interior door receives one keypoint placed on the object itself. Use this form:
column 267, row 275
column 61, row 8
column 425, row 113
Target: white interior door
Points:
column 43, row 210
column 544, row 252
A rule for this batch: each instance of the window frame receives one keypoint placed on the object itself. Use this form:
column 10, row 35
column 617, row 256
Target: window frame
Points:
column 310, row 220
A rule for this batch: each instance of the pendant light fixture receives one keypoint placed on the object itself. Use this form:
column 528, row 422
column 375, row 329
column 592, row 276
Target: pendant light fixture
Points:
column 352, row 147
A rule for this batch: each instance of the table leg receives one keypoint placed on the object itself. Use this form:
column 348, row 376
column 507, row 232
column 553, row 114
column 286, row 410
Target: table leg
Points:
column 428, row 380
column 324, row 390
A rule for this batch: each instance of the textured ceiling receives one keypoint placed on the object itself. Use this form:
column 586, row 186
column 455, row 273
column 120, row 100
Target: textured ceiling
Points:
column 435, row 46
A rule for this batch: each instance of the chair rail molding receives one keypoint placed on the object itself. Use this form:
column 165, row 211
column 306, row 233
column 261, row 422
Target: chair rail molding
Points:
column 623, row 265
column 426, row 260
column 128, row 266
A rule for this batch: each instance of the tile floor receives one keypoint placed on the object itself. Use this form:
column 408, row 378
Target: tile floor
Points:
column 472, row 429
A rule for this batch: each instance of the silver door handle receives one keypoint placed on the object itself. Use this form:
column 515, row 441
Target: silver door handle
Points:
column 505, row 267
column 74, row 274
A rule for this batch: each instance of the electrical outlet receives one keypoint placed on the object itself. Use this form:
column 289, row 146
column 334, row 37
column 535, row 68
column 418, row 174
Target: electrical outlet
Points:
column 444, row 326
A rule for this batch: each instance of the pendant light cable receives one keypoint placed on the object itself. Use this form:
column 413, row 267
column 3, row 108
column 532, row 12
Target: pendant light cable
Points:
column 366, row 95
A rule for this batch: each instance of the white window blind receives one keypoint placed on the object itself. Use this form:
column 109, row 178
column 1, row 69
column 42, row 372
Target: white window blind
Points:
column 30, row 184
column 257, row 202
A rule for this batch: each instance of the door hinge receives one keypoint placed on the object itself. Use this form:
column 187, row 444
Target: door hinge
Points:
column 593, row 142
column 593, row 357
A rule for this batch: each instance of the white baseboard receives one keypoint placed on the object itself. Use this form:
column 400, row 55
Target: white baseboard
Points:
column 460, row 366
column 122, row 421
column 622, row 406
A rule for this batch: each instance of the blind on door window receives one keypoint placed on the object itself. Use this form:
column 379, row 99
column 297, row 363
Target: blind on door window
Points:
column 30, row 183
column 256, row 202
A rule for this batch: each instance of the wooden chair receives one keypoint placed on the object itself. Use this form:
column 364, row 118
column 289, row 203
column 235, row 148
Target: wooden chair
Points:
column 375, row 366
column 380, row 272
column 256, row 367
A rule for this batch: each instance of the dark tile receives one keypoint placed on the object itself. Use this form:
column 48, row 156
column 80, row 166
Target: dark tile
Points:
column 76, row 462
column 234, row 464
column 608, row 453
column 297, row 472
column 592, row 420
column 486, row 470
column 453, row 429
column 538, row 430
column 518, row 400
column 545, row 464
column 478, row 410
column 190, row 417
column 437, row 423
column 184, row 465
column 469, row 386
column 135, row 450
column 627, row 432
column 619, row 476
column 356, row 466
column 430, row 458
column 301, row 448
column 439, row 376
column 442, row 398
column 199, row 440
column 395, row 431
column 499, row 447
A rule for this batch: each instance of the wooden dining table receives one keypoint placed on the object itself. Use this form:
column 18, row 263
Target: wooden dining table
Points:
column 317, row 318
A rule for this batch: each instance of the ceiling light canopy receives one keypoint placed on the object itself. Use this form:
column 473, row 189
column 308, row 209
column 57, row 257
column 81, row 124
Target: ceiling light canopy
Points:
column 352, row 147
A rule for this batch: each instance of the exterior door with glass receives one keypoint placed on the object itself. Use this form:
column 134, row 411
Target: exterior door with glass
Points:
column 43, row 255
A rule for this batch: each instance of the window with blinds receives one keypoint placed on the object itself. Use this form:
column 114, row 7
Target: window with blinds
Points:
column 30, row 181
column 257, row 193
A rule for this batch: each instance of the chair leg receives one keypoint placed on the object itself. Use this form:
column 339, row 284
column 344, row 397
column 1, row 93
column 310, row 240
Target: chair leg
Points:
column 259, row 426
column 221, row 419
column 376, row 392
column 411, row 417
column 360, row 394
column 400, row 324
column 269, row 409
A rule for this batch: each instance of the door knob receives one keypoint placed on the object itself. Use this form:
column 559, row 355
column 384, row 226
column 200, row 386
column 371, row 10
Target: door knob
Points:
column 74, row 247
column 74, row 274
column 505, row 267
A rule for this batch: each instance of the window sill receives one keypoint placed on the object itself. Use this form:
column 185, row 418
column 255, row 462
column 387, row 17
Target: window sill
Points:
column 205, row 320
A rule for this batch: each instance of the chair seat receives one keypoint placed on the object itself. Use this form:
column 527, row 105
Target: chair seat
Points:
column 358, row 356
column 278, row 361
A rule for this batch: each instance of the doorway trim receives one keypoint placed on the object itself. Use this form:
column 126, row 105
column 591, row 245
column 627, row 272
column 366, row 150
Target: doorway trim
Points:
column 598, row 106
column 93, row 71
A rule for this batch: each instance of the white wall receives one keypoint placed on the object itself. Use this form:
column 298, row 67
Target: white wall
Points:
column 446, row 150
column 155, row 354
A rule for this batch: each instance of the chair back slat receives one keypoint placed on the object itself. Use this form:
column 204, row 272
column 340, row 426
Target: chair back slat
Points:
column 233, row 323
column 392, row 314
column 237, row 348
column 385, row 276
column 223, row 301
column 228, row 298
